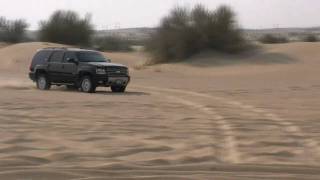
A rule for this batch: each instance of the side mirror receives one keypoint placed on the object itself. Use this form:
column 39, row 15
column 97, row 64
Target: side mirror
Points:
column 108, row 60
column 72, row 60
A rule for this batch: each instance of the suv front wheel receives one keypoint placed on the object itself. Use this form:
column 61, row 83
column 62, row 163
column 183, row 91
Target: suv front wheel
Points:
column 43, row 82
column 87, row 85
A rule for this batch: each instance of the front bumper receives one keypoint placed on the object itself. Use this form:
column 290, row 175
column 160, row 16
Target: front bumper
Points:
column 112, row 80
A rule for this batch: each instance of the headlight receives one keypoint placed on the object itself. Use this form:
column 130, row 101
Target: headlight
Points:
column 101, row 71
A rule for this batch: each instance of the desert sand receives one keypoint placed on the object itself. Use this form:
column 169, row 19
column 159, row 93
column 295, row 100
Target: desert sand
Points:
column 251, row 116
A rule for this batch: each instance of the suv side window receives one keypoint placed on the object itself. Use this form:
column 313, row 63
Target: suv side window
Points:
column 69, row 55
column 57, row 56
column 41, row 57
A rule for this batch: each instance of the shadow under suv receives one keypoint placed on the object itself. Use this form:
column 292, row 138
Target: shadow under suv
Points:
column 77, row 69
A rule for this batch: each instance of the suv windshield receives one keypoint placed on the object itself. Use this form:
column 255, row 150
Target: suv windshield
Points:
column 90, row 57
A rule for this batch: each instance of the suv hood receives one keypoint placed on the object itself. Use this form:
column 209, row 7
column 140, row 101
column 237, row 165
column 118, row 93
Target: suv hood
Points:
column 106, row 64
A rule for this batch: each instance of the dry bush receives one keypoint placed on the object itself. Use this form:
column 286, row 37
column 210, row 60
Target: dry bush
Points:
column 310, row 38
column 66, row 27
column 185, row 32
column 112, row 43
column 273, row 39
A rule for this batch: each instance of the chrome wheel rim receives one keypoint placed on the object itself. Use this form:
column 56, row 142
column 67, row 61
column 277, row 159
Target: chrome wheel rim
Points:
column 86, row 85
column 42, row 82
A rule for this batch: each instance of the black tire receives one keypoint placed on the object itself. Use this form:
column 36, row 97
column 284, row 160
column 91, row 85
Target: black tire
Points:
column 43, row 82
column 87, row 85
column 118, row 89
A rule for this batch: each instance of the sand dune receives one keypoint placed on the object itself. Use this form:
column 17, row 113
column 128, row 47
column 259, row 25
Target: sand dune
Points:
column 255, row 118
column 18, row 56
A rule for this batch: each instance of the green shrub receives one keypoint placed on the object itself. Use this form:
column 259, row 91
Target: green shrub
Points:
column 12, row 31
column 310, row 38
column 66, row 27
column 273, row 39
column 112, row 43
column 184, row 33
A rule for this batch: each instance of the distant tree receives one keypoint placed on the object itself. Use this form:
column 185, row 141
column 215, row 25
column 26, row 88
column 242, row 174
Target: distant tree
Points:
column 186, row 32
column 66, row 27
column 112, row 43
column 273, row 39
column 12, row 31
column 310, row 38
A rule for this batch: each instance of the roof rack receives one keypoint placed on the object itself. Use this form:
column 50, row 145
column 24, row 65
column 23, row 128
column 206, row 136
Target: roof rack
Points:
column 66, row 49
column 56, row 48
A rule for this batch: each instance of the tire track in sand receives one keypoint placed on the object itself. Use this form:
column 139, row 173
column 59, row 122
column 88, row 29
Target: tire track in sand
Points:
column 232, row 154
column 287, row 126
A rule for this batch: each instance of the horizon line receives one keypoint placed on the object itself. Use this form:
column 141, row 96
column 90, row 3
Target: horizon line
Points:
column 149, row 27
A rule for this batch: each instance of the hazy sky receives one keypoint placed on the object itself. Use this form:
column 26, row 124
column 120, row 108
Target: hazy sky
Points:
column 147, row 13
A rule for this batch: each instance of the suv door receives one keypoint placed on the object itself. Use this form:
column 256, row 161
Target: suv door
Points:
column 70, row 68
column 55, row 66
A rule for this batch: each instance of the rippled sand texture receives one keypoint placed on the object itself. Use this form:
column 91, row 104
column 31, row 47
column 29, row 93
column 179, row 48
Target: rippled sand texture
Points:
column 197, row 120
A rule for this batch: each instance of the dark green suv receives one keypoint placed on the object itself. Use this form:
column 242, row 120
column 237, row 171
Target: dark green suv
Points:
column 78, row 69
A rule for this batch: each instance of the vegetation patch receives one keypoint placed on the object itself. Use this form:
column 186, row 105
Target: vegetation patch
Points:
column 310, row 38
column 186, row 32
column 67, row 27
column 273, row 39
column 12, row 31
column 112, row 43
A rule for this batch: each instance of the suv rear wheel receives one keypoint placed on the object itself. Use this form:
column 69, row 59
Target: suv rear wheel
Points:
column 118, row 89
column 87, row 85
column 43, row 82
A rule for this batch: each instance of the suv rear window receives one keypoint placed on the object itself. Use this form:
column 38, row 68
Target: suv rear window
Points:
column 57, row 56
column 41, row 57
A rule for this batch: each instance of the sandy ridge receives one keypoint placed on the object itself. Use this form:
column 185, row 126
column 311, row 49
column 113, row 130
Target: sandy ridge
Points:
column 287, row 126
column 222, row 122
